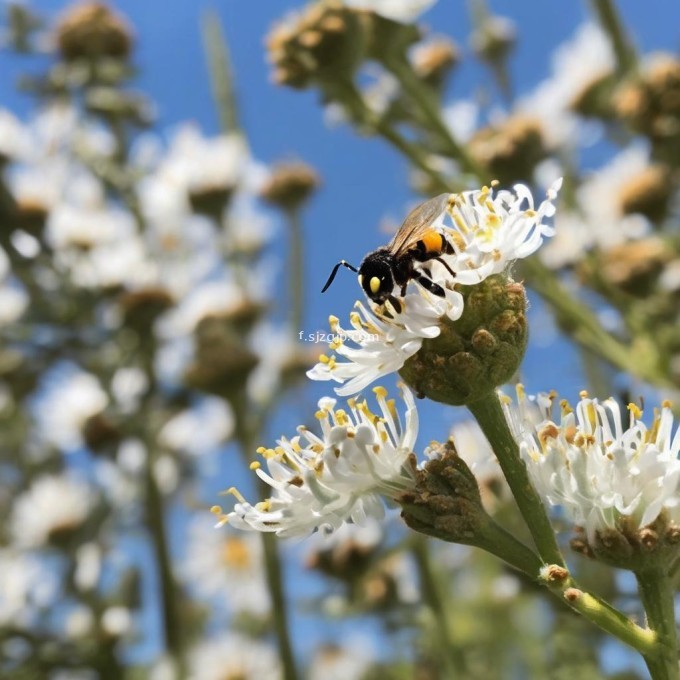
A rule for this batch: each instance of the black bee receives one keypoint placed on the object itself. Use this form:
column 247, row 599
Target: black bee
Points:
column 393, row 265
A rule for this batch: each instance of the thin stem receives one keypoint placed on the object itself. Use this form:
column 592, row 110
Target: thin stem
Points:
column 499, row 542
column 606, row 617
column 296, row 270
column 424, row 97
column 272, row 563
column 656, row 592
column 221, row 74
column 169, row 596
column 608, row 16
column 584, row 327
column 436, row 598
column 347, row 93
column 489, row 414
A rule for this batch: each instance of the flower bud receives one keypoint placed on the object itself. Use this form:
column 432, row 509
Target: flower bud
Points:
column 434, row 60
column 629, row 547
column 222, row 363
column 446, row 502
column 477, row 353
column 324, row 42
column 290, row 185
column 511, row 150
column 90, row 30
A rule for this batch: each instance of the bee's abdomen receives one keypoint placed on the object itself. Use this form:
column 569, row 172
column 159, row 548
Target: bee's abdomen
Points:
column 433, row 242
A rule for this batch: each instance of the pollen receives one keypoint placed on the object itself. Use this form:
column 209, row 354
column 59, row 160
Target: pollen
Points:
column 635, row 410
column 380, row 392
column 261, row 450
column 255, row 465
column 323, row 359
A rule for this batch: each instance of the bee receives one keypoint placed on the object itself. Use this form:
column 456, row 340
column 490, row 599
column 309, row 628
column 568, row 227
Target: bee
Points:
column 394, row 264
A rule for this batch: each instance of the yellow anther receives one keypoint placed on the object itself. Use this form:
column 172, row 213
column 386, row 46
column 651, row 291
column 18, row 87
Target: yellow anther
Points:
column 255, row 465
column 341, row 417
column 334, row 345
column 635, row 410
column 296, row 447
column 530, row 213
column 333, row 322
column 494, row 220
column 216, row 510
column 666, row 403
column 565, row 407
column 583, row 394
column 321, row 415
column 380, row 392
column 352, row 402
column 494, row 183
column 521, row 393
column 264, row 506
column 323, row 359
column 233, row 491
column 261, row 450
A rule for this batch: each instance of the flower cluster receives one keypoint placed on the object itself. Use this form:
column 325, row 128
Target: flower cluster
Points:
column 320, row 482
column 603, row 474
column 487, row 231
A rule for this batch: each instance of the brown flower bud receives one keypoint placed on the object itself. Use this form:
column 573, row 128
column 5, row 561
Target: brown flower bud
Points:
column 477, row 353
column 290, row 185
column 91, row 30
column 649, row 193
column 322, row 43
column 434, row 59
column 512, row 150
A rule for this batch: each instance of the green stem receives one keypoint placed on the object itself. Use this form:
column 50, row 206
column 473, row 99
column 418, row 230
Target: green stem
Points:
column 657, row 593
column 452, row 658
column 272, row 561
column 296, row 269
column 221, row 74
column 499, row 542
column 424, row 98
column 584, row 327
column 171, row 617
column 608, row 16
column 346, row 93
column 606, row 617
column 489, row 414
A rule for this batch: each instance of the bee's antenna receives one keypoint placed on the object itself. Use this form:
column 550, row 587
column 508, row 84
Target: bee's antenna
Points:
column 335, row 271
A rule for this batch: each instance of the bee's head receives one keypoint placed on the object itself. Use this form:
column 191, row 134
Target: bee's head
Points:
column 375, row 275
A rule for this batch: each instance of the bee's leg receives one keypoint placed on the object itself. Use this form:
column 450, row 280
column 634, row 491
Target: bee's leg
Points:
column 430, row 285
column 396, row 304
column 403, row 290
column 448, row 269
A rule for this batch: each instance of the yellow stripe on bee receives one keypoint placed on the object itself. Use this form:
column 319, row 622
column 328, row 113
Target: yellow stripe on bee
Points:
column 433, row 241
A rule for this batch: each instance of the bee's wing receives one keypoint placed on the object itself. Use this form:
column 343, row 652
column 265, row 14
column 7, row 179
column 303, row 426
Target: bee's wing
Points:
column 417, row 222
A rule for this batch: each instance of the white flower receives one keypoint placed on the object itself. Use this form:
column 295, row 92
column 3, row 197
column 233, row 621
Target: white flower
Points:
column 331, row 662
column 53, row 504
column 601, row 221
column 473, row 447
column 598, row 470
column 65, row 403
column 231, row 655
column 27, row 586
column 227, row 567
column 322, row 482
column 404, row 11
column 14, row 139
column 487, row 233
column 575, row 65
column 199, row 429
column 201, row 164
